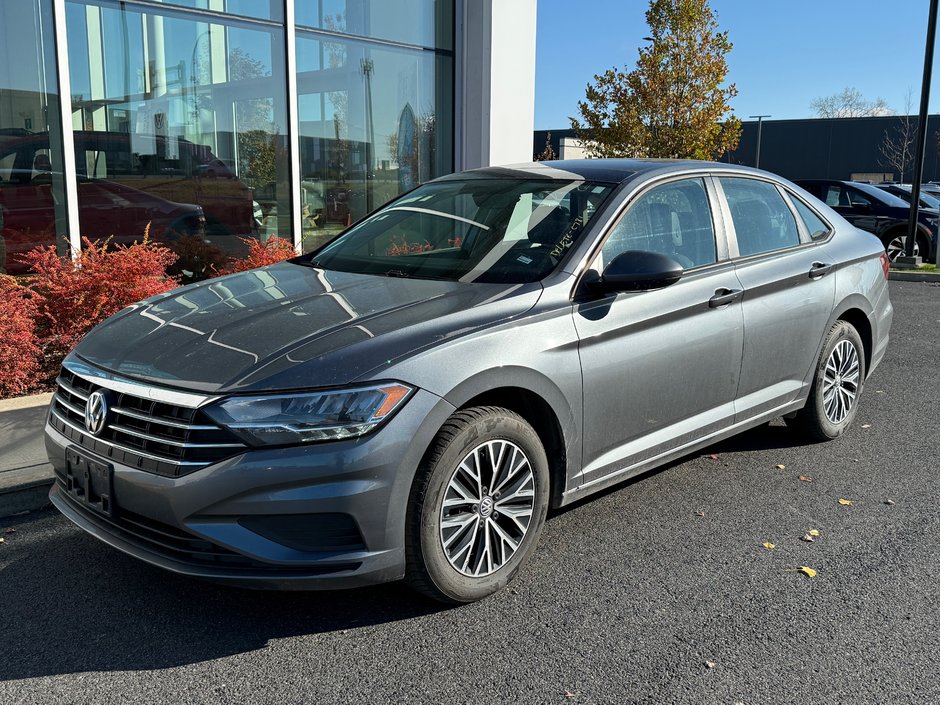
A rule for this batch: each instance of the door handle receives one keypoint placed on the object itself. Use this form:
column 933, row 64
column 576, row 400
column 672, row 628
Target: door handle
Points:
column 819, row 269
column 723, row 297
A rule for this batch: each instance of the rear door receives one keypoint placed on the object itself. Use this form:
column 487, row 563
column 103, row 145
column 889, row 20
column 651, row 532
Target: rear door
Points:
column 660, row 368
column 789, row 290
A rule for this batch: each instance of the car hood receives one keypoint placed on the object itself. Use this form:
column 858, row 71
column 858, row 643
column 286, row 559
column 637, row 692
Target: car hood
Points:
column 291, row 326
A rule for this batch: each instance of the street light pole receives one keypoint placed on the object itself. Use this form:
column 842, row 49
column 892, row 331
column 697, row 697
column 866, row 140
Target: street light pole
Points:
column 908, row 260
column 760, row 123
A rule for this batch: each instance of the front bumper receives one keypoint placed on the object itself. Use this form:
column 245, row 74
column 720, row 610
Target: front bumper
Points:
column 327, row 515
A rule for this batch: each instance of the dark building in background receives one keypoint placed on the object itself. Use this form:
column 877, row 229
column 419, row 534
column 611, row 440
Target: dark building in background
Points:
column 816, row 148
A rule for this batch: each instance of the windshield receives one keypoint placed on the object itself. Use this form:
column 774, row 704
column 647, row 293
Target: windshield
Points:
column 926, row 200
column 479, row 230
column 889, row 199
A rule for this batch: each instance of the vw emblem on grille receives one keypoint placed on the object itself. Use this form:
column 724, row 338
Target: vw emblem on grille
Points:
column 96, row 412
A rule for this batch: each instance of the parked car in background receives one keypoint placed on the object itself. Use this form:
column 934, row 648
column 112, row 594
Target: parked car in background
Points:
column 884, row 214
column 410, row 399
column 111, row 210
column 125, row 182
column 903, row 191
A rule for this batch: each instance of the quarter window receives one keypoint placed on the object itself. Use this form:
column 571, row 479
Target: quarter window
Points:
column 673, row 219
column 815, row 226
column 762, row 220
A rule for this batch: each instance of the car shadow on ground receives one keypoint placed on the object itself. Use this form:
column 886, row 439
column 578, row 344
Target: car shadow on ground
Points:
column 73, row 605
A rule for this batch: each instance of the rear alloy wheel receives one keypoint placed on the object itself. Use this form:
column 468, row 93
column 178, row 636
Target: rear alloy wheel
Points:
column 478, row 505
column 840, row 374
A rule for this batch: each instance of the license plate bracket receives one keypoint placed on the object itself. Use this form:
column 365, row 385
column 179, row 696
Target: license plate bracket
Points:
column 90, row 482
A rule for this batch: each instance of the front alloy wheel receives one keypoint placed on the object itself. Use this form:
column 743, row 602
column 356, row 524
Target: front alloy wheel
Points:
column 895, row 246
column 477, row 505
column 487, row 508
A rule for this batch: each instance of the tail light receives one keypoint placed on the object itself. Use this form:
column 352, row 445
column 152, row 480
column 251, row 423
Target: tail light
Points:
column 885, row 264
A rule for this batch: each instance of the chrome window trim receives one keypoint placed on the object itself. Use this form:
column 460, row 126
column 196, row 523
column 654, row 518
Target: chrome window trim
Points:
column 122, row 385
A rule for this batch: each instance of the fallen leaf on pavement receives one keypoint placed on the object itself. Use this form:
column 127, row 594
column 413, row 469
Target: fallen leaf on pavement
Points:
column 805, row 478
column 710, row 664
column 889, row 501
column 569, row 694
column 846, row 502
column 769, row 546
column 700, row 513
column 807, row 537
column 813, row 532
column 781, row 466
column 807, row 571
column 2, row 539
column 712, row 456
column 866, row 425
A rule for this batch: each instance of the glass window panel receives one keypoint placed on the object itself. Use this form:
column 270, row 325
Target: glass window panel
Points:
column 673, row 219
column 421, row 22
column 817, row 229
column 32, row 191
column 369, row 127
column 762, row 220
column 261, row 9
column 180, row 130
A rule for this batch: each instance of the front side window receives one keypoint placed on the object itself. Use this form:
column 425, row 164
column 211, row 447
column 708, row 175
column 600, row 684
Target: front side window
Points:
column 479, row 230
column 673, row 219
column 762, row 220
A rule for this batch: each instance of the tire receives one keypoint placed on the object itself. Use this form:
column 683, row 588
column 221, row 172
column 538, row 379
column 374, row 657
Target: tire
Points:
column 837, row 385
column 895, row 242
column 446, row 554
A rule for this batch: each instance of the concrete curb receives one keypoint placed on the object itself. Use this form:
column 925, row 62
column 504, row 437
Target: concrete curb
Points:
column 914, row 276
column 25, row 476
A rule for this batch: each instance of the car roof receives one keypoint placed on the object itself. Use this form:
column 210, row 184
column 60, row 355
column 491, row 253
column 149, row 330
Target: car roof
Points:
column 609, row 170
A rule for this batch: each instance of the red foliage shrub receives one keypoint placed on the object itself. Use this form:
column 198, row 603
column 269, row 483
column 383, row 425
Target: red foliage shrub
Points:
column 19, row 350
column 396, row 249
column 72, row 299
column 273, row 250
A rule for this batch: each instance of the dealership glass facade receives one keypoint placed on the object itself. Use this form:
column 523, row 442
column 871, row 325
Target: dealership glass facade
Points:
column 179, row 119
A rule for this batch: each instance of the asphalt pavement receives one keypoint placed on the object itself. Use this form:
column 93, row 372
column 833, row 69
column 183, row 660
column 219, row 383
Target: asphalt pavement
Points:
column 658, row 591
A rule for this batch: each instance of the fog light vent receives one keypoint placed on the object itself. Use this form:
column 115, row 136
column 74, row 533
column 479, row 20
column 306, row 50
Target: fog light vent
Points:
column 332, row 532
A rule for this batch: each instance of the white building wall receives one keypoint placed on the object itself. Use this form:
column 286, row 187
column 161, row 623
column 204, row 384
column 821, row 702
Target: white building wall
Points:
column 495, row 82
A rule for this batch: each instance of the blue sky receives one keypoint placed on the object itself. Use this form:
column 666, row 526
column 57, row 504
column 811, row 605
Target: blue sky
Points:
column 785, row 53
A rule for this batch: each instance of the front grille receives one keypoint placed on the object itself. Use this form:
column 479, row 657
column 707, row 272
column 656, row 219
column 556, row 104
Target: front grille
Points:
column 178, row 545
column 149, row 435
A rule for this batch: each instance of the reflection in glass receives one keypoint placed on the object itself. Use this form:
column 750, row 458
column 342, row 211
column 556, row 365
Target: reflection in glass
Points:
column 180, row 129
column 32, row 193
column 369, row 127
column 427, row 23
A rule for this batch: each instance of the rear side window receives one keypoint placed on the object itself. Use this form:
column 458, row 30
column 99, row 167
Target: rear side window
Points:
column 762, row 220
column 817, row 229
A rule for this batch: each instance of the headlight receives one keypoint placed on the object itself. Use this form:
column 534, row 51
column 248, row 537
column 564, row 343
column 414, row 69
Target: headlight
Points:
column 306, row 417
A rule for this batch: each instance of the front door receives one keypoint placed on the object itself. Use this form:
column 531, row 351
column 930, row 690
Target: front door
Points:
column 660, row 368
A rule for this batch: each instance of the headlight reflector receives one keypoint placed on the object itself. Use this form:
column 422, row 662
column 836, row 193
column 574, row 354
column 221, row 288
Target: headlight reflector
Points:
column 306, row 417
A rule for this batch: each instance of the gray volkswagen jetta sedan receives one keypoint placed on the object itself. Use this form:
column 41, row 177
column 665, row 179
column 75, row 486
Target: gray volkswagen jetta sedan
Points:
column 409, row 400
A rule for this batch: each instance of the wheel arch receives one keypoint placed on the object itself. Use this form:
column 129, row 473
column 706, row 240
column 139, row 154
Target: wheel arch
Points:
column 539, row 401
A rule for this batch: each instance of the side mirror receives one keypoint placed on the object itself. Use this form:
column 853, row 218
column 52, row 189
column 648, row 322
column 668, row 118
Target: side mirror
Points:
column 637, row 270
column 862, row 207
